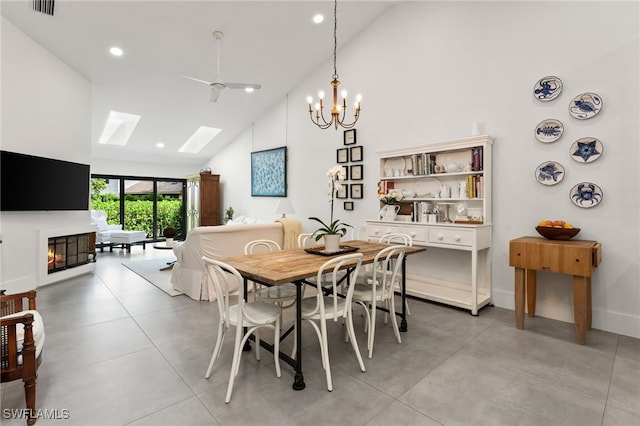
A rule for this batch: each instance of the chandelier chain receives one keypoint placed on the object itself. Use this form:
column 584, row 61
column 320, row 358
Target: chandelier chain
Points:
column 335, row 39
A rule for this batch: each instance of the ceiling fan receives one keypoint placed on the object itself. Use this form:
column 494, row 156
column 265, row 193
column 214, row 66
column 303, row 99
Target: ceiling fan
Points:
column 218, row 85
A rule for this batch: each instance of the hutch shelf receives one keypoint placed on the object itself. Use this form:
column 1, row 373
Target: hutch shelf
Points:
column 446, row 207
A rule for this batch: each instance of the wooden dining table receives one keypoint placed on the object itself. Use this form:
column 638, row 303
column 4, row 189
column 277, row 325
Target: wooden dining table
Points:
column 296, row 266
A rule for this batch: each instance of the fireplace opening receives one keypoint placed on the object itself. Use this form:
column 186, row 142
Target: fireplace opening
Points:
column 67, row 251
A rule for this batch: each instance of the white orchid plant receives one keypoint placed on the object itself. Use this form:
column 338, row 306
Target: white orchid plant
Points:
column 336, row 176
column 392, row 197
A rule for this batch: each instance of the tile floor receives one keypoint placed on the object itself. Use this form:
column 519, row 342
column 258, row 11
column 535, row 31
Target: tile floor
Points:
column 121, row 352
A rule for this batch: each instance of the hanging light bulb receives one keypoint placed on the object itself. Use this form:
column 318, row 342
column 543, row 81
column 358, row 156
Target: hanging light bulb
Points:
column 338, row 109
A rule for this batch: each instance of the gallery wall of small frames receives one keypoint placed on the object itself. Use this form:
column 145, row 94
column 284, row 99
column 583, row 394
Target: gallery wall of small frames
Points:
column 351, row 158
column 584, row 150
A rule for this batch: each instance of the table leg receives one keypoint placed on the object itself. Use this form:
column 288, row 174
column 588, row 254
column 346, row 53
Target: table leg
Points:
column 519, row 297
column 530, row 284
column 588, row 302
column 403, row 292
column 298, row 381
column 580, row 308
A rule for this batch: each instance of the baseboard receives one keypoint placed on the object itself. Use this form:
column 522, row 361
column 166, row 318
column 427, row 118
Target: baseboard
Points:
column 614, row 322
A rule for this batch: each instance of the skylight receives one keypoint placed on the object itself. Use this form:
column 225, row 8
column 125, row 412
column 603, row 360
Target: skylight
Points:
column 118, row 129
column 199, row 139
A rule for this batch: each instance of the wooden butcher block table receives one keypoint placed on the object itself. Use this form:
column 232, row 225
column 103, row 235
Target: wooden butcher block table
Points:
column 578, row 258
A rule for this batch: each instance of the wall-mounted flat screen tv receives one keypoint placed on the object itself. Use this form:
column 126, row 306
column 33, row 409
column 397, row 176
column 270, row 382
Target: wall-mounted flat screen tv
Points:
column 30, row 183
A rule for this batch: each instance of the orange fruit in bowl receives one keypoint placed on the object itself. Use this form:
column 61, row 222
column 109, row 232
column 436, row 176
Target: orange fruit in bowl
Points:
column 545, row 223
column 559, row 223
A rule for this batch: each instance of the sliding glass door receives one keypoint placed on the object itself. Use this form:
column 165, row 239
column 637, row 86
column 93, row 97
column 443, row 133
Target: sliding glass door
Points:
column 148, row 204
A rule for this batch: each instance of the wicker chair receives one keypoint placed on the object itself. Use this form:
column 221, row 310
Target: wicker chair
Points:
column 21, row 340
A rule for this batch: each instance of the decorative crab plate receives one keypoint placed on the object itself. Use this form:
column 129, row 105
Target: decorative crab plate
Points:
column 586, row 150
column 585, row 105
column 549, row 130
column 547, row 88
column 586, row 195
column 549, row 173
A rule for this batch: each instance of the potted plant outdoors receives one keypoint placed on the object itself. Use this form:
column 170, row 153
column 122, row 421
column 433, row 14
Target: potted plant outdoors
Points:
column 391, row 204
column 335, row 229
column 169, row 234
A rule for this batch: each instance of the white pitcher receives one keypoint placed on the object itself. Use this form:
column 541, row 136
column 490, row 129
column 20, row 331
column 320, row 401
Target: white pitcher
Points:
column 389, row 211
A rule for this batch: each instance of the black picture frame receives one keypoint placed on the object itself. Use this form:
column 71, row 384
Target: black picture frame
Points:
column 348, row 205
column 343, row 192
column 269, row 173
column 342, row 155
column 356, row 191
column 355, row 153
column 349, row 137
column 355, row 171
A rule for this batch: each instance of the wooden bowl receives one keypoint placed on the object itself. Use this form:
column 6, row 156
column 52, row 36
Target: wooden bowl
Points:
column 557, row 233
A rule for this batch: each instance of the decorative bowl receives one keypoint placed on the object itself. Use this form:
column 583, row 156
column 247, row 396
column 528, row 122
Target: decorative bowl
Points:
column 552, row 233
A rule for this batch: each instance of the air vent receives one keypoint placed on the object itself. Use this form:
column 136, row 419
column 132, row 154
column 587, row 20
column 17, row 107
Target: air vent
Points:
column 44, row 6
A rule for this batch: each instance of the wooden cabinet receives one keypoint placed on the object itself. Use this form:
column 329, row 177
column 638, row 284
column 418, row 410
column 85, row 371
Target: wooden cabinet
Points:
column 203, row 200
column 452, row 179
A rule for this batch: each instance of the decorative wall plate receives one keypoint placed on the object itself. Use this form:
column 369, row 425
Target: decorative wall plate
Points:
column 549, row 173
column 547, row 88
column 549, row 130
column 586, row 150
column 586, row 195
column 585, row 105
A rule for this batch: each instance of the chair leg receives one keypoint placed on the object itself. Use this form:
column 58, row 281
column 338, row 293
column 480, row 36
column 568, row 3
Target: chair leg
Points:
column 30, row 396
column 235, row 364
column 372, row 330
column 394, row 321
column 354, row 343
column 324, row 347
column 216, row 349
column 276, row 347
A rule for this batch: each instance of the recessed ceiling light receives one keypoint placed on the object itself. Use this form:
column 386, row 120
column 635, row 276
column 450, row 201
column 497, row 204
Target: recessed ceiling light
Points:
column 248, row 89
column 160, row 145
column 116, row 51
column 317, row 19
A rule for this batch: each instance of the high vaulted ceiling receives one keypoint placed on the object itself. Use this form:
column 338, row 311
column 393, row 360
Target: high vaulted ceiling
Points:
column 274, row 43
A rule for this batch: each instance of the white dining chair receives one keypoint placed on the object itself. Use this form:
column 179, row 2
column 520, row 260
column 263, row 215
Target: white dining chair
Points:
column 305, row 240
column 398, row 238
column 280, row 294
column 317, row 310
column 252, row 315
column 378, row 289
column 359, row 232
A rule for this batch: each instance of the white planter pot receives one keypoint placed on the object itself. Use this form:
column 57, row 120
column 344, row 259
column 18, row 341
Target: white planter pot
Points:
column 169, row 242
column 332, row 243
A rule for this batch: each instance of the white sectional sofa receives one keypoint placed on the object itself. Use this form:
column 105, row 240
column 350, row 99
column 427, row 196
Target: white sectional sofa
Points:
column 218, row 242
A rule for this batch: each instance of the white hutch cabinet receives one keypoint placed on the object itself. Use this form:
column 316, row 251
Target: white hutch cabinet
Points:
column 452, row 178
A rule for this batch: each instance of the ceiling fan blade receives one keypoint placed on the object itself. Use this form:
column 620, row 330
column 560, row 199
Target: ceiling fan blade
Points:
column 209, row 83
column 215, row 93
column 243, row 85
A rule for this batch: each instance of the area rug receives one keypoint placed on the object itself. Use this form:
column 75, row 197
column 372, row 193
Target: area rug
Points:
column 156, row 271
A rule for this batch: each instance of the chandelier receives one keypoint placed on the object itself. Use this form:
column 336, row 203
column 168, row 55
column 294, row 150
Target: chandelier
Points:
column 339, row 109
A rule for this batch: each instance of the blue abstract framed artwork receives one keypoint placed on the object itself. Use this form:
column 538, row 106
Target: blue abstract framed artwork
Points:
column 269, row 173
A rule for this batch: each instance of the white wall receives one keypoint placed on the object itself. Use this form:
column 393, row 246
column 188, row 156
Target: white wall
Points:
column 427, row 71
column 45, row 112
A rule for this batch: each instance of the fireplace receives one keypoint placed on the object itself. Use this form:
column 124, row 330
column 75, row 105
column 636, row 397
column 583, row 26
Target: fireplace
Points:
column 67, row 251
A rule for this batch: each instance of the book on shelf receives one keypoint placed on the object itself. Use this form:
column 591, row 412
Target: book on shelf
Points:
column 476, row 159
